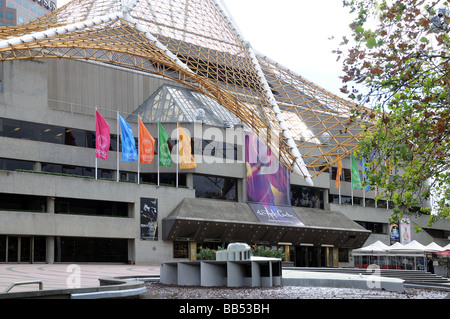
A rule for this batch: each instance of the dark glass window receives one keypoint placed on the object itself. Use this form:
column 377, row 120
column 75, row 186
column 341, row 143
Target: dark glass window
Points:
column 39, row 247
column 306, row 197
column 376, row 228
column 90, row 207
column 50, row 133
column 207, row 186
column 16, row 202
column 78, row 249
column 2, row 248
column 215, row 149
column 12, row 164
column 180, row 249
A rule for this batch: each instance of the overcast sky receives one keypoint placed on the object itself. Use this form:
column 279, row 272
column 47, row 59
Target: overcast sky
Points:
column 295, row 33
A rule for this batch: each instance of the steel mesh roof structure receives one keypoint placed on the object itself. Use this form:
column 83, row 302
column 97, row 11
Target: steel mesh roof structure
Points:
column 196, row 43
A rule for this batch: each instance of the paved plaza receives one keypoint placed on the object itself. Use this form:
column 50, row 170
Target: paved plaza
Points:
column 61, row 276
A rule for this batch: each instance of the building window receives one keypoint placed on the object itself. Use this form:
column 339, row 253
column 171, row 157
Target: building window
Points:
column 180, row 249
column 23, row 203
column 90, row 207
column 13, row 164
column 343, row 255
column 50, row 133
column 215, row 187
column 9, row 15
column 81, row 249
column 376, row 228
column 306, row 197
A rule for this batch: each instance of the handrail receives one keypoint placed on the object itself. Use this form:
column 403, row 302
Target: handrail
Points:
column 11, row 286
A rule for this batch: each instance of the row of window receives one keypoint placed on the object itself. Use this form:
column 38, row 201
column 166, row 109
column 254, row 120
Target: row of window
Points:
column 83, row 138
column 358, row 201
column 32, row 203
column 67, row 249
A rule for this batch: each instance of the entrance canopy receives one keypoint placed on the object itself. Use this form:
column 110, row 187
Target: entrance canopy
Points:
column 224, row 221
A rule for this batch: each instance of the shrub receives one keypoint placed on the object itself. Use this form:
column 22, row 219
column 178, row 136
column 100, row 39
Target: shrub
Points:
column 266, row 252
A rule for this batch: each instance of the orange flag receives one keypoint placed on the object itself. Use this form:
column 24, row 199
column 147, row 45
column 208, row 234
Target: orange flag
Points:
column 186, row 159
column 338, row 174
column 146, row 145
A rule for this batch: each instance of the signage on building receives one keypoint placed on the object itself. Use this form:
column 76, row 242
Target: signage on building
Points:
column 47, row 4
column 268, row 185
column 149, row 219
column 275, row 214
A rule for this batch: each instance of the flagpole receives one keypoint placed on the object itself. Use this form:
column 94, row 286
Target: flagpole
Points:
column 159, row 151
column 96, row 145
column 117, row 151
column 340, row 200
column 351, row 179
column 139, row 151
column 178, row 152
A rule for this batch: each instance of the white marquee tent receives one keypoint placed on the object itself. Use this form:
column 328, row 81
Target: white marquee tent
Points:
column 410, row 256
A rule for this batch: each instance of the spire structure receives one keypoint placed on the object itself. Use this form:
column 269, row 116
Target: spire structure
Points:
column 196, row 43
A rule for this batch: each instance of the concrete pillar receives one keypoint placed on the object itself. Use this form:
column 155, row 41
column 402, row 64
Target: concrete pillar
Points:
column 190, row 180
column 50, row 250
column 326, row 199
column 50, row 205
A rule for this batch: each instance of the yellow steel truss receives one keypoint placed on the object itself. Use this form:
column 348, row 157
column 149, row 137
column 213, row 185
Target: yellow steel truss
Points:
column 195, row 43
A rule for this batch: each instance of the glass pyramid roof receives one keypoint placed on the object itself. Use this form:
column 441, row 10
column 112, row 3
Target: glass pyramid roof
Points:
column 176, row 104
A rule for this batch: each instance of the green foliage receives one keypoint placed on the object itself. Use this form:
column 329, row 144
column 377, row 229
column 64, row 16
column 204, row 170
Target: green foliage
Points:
column 398, row 65
column 266, row 252
column 207, row 254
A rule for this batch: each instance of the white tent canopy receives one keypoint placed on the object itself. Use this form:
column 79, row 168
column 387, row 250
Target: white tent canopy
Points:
column 433, row 247
column 412, row 247
column 375, row 248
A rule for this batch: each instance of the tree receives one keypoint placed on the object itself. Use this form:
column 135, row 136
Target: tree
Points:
column 398, row 65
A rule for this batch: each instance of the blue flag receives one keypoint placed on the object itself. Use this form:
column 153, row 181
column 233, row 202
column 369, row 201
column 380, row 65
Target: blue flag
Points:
column 129, row 152
column 365, row 174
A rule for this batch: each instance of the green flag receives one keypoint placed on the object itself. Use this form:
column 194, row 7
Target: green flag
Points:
column 356, row 180
column 165, row 158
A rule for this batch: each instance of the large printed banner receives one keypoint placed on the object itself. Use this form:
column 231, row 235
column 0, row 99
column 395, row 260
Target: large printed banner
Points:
column 268, row 185
column 149, row 219
column 405, row 231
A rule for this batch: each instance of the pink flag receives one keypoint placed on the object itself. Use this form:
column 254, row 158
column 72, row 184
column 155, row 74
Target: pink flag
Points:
column 102, row 137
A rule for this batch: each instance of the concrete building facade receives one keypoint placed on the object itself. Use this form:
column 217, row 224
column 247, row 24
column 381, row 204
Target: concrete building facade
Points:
column 52, row 209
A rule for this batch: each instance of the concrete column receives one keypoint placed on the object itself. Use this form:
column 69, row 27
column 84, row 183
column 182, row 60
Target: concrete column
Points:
column 190, row 180
column 50, row 250
column 50, row 205
column 326, row 199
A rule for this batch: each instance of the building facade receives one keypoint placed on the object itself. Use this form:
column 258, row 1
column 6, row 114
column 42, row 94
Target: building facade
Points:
column 52, row 209
column 16, row 12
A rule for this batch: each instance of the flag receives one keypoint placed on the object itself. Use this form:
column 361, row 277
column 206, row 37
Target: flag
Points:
column 146, row 145
column 186, row 159
column 102, row 137
column 165, row 158
column 356, row 180
column 338, row 174
column 365, row 174
column 129, row 152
